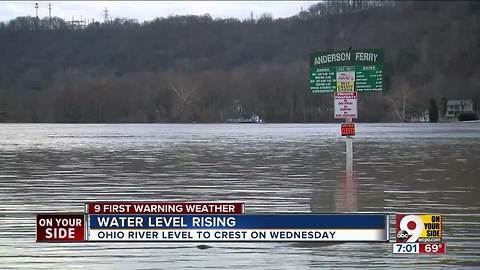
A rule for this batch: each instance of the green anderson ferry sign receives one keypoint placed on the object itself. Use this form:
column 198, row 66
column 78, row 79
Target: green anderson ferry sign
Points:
column 346, row 70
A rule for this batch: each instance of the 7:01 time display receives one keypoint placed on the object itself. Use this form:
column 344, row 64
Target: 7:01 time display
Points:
column 406, row 248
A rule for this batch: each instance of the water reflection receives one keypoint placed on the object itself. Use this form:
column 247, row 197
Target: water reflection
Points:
column 346, row 193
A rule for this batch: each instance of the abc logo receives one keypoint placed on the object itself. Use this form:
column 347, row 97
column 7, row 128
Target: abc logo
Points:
column 410, row 228
column 403, row 235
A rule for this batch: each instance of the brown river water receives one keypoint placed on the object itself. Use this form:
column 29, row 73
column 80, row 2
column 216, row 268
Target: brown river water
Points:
column 431, row 168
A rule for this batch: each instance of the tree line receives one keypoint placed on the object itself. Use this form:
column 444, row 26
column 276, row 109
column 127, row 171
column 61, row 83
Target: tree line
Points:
column 200, row 69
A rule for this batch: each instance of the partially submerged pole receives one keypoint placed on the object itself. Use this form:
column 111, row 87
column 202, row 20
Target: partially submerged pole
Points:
column 349, row 149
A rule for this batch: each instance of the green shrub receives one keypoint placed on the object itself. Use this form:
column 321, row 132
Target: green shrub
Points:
column 468, row 116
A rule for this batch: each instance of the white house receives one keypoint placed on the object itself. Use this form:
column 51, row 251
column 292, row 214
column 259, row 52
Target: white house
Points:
column 456, row 107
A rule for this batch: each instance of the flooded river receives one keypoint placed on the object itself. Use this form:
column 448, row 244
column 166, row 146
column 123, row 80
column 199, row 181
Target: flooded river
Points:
column 432, row 168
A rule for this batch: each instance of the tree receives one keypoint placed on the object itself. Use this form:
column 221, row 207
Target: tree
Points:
column 186, row 90
column 400, row 99
column 433, row 111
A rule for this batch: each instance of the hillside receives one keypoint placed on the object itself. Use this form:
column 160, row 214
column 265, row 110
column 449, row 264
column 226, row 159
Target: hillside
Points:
column 199, row 69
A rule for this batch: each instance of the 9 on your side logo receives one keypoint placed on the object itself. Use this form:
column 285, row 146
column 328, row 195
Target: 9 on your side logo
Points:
column 413, row 228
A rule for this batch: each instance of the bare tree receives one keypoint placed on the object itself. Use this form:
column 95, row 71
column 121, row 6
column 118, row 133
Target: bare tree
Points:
column 184, row 87
column 399, row 100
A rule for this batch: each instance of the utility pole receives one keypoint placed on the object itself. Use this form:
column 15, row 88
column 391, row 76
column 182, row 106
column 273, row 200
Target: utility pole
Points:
column 49, row 16
column 36, row 16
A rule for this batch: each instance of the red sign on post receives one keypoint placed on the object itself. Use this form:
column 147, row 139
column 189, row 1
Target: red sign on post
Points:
column 348, row 129
column 60, row 228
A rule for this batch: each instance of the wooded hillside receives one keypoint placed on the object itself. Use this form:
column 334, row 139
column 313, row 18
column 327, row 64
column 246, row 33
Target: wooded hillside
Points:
column 200, row 69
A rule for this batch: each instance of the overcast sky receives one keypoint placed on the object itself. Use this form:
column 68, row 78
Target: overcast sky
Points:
column 147, row 10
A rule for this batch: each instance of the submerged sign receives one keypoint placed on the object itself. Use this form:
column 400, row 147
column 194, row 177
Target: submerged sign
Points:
column 348, row 70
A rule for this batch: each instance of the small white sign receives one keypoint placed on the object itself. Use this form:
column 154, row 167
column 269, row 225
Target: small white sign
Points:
column 346, row 105
column 346, row 76
column 345, row 79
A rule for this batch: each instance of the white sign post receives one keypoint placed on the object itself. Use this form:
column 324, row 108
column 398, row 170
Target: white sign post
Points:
column 346, row 108
column 349, row 150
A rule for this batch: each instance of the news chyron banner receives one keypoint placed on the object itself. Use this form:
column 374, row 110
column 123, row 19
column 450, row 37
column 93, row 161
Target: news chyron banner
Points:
column 252, row 227
column 204, row 221
column 419, row 233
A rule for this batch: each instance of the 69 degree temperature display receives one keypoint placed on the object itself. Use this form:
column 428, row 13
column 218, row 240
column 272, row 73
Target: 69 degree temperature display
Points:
column 434, row 248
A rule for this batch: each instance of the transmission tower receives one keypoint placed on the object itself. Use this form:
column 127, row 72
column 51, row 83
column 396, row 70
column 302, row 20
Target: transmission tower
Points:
column 105, row 15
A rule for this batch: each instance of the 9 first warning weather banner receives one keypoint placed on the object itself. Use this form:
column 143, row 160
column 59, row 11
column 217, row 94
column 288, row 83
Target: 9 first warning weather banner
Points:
column 204, row 221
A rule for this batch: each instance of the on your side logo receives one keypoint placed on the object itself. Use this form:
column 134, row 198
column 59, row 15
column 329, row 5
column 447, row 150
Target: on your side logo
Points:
column 418, row 228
